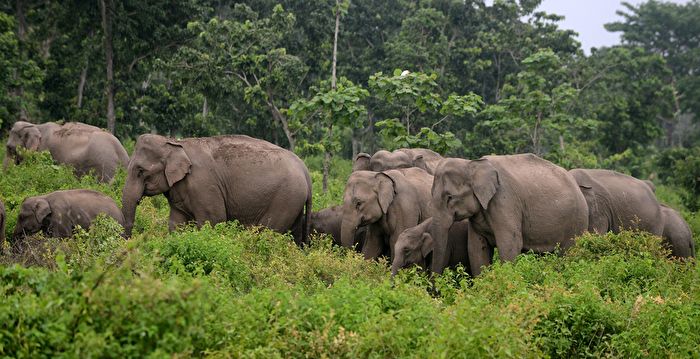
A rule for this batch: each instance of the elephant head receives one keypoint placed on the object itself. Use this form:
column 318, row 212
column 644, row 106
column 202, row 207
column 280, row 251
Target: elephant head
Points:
column 156, row 165
column 461, row 189
column 413, row 247
column 385, row 160
column 366, row 200
column 34, row 215
column 361, row 162
column 22, row 134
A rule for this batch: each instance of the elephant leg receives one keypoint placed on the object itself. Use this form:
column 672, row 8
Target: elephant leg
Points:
column 509, row 243
column 374, row 244
column 177, row 218
column 479, row 252
column 209, row 212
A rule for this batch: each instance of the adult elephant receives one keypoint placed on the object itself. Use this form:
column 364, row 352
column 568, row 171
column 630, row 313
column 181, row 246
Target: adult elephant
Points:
column 617, row 201
column 676, row 233
column 387, row 203
column 329, row 221
column 220, row 178
column 81, row 146
column 402, row 158
column 59, row 212
column 415, row 246
column 516, row 203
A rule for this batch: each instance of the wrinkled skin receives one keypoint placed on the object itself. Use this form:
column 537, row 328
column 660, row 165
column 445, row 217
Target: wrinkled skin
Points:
column 617, row 201
column 677, row 233
column 516, row 203
column 402, row 158
column 81, row 146
column 387, row 203
column 329, row 220
column 58, row 213
column 415, row 246
column 215, row 179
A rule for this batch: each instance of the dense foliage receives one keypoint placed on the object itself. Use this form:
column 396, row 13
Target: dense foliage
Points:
column 231, row 291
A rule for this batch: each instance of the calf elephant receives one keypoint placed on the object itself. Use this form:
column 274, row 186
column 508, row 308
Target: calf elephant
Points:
column 415, row 246
column 386, row 203
column 617, row 201
column 329, row 220
column 402, row 158
column 221, row 178
column 58, row 213
column 81, row 146
column 516, row 203
column 676, row 233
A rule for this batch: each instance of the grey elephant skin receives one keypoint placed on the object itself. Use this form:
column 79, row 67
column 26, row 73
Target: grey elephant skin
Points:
column 676, row 233
column 81, row 146
column 516, row 203
column 3, row 221
column 215, row 179
column 402, row 158
column 58, row 213
column 329, row 221
column 387, row 203
column 617, row 201
column 415, row 246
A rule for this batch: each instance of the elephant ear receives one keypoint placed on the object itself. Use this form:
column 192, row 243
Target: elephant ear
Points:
column 485, row 181
column 32, row 138
column 386, row 190
column 419, row 162
column 177, row 163
column 428, row 245
column 41, row 210
column 361, row 162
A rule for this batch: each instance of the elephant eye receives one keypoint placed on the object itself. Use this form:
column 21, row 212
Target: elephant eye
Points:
column 358, row 204
column 139, row 173
column 449, row 198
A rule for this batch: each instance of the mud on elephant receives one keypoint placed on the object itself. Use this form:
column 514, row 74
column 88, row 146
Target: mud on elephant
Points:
column 215, row 179
column 81, row 146
column 58, row 213
column 515, row 203
column 386, row 203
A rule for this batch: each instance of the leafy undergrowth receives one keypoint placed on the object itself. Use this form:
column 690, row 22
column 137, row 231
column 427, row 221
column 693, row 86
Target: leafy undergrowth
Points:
column 229, row 291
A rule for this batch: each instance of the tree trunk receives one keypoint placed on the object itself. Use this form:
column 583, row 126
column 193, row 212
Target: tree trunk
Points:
column 106, row 10
column 81, row 84
column 22, row 36
column 328, row 155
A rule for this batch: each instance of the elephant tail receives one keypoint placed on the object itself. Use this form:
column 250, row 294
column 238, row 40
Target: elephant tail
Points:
column 306, row 224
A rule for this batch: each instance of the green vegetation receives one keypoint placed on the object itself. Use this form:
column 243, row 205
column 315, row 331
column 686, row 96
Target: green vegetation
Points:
column 231, row 291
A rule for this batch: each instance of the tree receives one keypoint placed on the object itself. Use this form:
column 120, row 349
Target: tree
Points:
column 107, row 10
column 671, row 31
column 246, row 59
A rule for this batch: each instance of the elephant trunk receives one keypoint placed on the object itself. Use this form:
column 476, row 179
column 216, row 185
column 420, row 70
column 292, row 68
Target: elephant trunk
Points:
column 439, row 231
column 131, row 195
column 348, row 228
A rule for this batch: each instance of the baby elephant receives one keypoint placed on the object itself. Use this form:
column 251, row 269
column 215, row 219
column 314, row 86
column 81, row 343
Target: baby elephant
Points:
column 329, row 220
column 58, row 213
column 415, row 246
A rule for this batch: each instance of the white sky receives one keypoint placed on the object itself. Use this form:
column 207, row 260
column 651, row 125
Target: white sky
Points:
column 587, row 17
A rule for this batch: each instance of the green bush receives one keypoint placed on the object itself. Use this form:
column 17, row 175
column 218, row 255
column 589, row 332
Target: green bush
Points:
column 231, row 291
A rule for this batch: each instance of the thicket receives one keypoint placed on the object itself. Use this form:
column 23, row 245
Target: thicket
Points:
column 230, row 291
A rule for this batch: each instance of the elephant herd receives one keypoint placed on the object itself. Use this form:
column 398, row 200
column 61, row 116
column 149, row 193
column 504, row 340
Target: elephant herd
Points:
column 417, row 208
column 211, row 179
column 411, row 205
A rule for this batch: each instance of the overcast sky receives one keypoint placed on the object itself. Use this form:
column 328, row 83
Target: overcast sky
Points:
column 587, row 18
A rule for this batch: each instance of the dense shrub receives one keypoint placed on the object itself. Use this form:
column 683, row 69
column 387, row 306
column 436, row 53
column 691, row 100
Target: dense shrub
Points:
column 230, row 291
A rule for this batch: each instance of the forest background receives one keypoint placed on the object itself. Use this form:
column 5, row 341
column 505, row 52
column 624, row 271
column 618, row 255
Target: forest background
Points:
column 461, row 77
